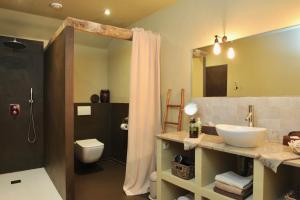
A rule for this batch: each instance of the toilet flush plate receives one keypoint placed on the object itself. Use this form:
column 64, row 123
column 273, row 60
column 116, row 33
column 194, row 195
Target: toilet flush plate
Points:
column 84, row 110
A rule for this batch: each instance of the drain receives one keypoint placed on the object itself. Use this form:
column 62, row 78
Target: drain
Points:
column 15, row 181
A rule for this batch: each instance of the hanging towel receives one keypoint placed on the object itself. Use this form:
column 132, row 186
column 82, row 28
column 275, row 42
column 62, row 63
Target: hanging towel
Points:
column 232, row 189
column 273, row 160
column 191, row 143
column 231, row 178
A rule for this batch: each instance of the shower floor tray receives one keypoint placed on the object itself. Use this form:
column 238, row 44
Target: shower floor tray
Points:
column 32, row 184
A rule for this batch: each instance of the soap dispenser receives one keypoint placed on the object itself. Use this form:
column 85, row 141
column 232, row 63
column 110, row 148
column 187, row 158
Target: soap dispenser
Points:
column 193, row 128
column 190, row 110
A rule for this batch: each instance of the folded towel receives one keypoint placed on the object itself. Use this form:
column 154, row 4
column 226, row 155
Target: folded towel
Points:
column 273, row 160
column 233, row 196
column 232, row 189
column 186, row 197
column 191, row 143
column 231, row 178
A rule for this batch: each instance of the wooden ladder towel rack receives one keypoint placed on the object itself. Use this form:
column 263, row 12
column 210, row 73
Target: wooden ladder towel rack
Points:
column 173, row 106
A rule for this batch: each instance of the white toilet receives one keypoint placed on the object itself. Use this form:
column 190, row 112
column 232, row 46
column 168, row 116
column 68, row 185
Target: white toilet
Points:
column 88, row 151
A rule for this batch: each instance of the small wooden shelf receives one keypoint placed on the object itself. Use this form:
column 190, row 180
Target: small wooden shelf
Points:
column 208, row 192
column 189, row 185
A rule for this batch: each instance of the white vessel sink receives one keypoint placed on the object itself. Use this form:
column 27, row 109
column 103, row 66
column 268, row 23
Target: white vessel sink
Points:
column 241, row 136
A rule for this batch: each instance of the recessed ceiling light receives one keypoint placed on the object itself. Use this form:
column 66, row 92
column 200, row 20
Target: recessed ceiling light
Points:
column 56, row 5
column 107, row 12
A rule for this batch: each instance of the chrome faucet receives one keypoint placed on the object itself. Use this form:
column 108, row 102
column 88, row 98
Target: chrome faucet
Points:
column 250, row 116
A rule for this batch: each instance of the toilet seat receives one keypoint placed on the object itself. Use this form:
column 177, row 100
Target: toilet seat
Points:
column 89, row 143
column 89, row 150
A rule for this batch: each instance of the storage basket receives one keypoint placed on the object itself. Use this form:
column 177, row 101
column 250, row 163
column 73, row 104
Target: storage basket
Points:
column 183, row 171
column 292, row 195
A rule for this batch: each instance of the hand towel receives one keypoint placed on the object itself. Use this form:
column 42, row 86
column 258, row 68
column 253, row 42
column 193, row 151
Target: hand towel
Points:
column 231, row 178
column 191, row 143
column 273, row 160
column 232, row 189
column 233, row 196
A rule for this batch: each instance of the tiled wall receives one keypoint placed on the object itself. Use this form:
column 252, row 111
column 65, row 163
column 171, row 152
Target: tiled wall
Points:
column 279, row 115
column 19, row 71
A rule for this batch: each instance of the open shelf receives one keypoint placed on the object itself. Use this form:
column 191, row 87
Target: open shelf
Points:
column 171, row 191
column 214, row 163
column 267, row 185
column 209, row 193
column 189, row 185
column 170, row 150
column 276, row 185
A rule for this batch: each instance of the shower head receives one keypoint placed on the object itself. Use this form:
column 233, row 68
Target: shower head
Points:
column 14, row 44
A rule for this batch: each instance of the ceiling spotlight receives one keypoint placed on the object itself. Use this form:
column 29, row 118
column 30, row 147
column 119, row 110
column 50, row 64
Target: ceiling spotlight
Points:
column 56, row 5
column 107, row 12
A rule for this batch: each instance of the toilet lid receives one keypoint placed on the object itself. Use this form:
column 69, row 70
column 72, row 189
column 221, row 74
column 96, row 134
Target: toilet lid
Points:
column 89, row 143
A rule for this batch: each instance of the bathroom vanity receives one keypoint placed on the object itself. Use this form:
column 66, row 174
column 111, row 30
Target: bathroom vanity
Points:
column 212, row 157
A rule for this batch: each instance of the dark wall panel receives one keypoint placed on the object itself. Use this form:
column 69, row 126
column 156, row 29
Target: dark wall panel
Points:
column 96, row 125
column 59, row 113
column 104, row 125
column 20, row 70
column 119, row 137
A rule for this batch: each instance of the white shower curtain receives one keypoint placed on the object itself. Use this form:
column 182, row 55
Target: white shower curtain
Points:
column 144, row 111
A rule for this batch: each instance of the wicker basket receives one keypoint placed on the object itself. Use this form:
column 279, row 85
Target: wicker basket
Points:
column 292, row 195
column 183, row 171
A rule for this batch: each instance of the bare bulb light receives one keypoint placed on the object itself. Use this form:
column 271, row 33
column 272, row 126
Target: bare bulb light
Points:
column 107, row 12
column 217, row 48
column 230, row 53
column 56, row 5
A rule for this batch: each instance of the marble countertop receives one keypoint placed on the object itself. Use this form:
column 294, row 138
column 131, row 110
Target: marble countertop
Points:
column 216, row 143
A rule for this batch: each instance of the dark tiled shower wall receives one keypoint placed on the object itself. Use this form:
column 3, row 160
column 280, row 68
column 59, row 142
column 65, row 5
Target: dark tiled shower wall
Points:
column 104, row 124
column 19, row 71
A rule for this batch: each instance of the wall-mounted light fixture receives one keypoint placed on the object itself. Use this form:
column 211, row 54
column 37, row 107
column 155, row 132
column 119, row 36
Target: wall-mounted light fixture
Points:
column 230, row 53
column 217, row 47
column 56, row 5
column 107, row 12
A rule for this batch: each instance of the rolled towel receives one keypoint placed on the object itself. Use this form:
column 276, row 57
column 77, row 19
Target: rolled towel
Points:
column 231, row 178
column 232, row 189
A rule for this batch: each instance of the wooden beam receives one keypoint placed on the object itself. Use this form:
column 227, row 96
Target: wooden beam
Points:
column 94, row 28
column 99, row 29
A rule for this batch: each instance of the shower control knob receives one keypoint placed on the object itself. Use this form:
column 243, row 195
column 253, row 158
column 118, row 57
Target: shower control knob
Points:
column 14, row 109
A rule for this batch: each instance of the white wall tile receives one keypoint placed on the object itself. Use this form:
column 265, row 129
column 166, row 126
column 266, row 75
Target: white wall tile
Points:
column 279, row 115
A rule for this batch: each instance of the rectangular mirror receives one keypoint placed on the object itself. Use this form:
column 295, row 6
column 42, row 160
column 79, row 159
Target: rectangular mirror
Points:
column 266, row 64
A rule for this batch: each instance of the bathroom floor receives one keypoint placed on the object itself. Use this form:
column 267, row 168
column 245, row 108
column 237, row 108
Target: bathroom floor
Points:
column 105, row 184
column 35, row 185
